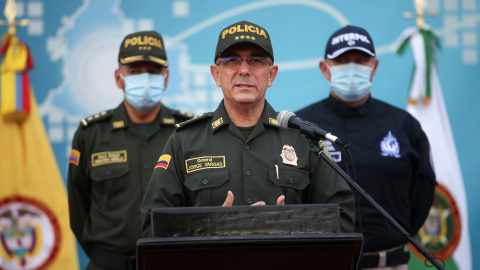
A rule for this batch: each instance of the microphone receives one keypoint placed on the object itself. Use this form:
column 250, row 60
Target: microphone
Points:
column 288, row 120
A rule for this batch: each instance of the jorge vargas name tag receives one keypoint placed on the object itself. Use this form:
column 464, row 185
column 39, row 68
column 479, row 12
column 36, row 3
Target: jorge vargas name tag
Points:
column 201, row 163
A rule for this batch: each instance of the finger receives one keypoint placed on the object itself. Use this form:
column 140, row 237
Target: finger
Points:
column 229, row 199
column 258, row 203
column 281, row 200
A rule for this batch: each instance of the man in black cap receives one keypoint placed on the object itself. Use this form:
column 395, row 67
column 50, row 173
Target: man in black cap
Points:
column 238, row 154
column 390, row 151
column 114, row 152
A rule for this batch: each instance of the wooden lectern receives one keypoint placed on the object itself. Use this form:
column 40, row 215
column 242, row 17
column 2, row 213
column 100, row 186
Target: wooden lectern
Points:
column 262, row 237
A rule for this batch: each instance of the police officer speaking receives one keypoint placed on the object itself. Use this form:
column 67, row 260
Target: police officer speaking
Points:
column 238, row 154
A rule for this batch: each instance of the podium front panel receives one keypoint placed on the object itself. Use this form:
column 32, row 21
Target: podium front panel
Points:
column 245, row 220
column 304, row 251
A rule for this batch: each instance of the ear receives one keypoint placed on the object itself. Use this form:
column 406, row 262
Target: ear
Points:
column 167, row 74
column 375, row 65
column 214, row 69
column 325, row 70
column 120, row 82
column 272, row 73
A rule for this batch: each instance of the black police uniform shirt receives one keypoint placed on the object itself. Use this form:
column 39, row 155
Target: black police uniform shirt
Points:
column 208, row 156
column 111, row 164
column 392, row 162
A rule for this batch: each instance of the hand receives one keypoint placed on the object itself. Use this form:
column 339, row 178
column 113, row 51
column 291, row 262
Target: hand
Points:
column 230, row 198
column 281, row 200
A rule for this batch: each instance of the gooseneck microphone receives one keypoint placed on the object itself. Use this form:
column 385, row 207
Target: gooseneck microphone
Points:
column 289, row 120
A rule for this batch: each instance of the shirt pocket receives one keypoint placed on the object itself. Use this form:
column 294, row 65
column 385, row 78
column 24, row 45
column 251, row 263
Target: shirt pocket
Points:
column 110, row 188
column 207, row 187
column 291, row 183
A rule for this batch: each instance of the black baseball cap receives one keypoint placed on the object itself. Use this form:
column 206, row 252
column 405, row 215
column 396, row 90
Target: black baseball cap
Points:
column 143, row 46
column 243, row 32
column 349, row 38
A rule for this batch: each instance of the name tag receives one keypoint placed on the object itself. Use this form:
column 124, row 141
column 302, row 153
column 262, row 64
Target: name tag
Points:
column 201, row 163
column 103, row 158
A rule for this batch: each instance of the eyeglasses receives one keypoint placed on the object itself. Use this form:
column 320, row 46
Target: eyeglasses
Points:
column 253, row 62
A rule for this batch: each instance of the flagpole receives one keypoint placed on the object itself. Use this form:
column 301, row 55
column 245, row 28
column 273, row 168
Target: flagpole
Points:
column 10, row 13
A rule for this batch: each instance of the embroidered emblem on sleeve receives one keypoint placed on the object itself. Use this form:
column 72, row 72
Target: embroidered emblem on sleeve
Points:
column 74, row 157
column 163, row 161
column 288, row 155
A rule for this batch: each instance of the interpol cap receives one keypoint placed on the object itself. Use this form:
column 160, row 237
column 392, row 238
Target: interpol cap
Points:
column 143, row 46
column 243, row 32
column 349, row 38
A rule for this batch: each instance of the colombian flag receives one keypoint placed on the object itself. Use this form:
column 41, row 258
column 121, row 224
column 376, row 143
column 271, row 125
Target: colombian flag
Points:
column 74, row 157
column 34, row 222
column 16, row 61
column 163, row 161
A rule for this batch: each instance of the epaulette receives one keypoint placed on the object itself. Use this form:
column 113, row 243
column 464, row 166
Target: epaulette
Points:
column 96, row 117
column 182, row 114
column 194, row 119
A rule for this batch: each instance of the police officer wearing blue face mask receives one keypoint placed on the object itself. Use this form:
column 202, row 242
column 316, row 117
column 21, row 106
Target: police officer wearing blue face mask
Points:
column 390, row 151
column 114, row 153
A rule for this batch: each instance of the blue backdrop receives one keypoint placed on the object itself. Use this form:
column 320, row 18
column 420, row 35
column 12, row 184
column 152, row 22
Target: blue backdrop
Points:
column 75, row 45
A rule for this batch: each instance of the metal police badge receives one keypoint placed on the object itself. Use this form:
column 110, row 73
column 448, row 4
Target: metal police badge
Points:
column 29, row 233
column 288, row 155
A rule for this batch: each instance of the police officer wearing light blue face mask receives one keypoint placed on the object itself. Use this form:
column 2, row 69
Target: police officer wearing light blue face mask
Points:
column 143, row 74
column 350, row 69
column 114, row 153
column 389, row 149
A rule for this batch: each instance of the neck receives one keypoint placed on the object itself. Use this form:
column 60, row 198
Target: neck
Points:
column 244, row 115
column 138, row 116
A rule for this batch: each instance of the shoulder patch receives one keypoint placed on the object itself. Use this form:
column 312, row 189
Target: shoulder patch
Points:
column 96, row 117
column 194, row 119
column 183, row 114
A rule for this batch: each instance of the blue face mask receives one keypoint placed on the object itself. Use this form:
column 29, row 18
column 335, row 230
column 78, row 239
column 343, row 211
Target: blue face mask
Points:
column 351, row 82
column 144, row 91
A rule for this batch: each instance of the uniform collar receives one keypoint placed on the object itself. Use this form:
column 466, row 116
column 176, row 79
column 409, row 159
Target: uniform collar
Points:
column 121, row 119
column 220, row 118
column 348, row 111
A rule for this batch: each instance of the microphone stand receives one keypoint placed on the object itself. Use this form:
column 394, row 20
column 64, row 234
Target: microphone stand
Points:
column 320, row 153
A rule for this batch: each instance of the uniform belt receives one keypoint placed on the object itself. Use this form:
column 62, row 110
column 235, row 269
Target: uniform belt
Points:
column 391, row 257
column 110, row 260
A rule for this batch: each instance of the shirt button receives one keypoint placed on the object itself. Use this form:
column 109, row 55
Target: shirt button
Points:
column 248, row 172
column 145, row 166
column 291, row 180
column 249, row 201
column 145, row 143
column 247, row 146
column 109, row 172
column 205, row 181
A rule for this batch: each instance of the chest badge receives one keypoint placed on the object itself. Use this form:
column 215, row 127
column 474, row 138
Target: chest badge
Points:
column 288, row 155
column 390, row 146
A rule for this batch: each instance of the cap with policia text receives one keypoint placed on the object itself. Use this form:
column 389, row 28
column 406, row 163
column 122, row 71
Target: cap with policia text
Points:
column 349, row 38
column 143, row 46
column 243, row 32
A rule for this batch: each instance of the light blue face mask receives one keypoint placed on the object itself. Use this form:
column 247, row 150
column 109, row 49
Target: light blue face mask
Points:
column 144, row 91
column 351, row 82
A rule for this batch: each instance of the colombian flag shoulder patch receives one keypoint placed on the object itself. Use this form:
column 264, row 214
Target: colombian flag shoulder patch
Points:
column 163, row 161
column 74, row 157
